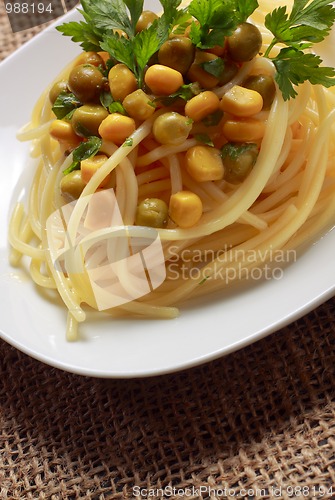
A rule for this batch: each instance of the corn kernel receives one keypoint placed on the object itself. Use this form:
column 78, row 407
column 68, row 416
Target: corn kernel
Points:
column 196, row 73
column 218, row 50
column 163, row 80
column 185, row 208
column 204, row 163
column 202, row 105
column 138, row 105
column 63, row 132
column 240, row 101
column 247, row 130
column 89, row 167
column 117, row 128
column 121, row 81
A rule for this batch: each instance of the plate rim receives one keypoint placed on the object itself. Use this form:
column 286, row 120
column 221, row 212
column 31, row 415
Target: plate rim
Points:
column 303, row 309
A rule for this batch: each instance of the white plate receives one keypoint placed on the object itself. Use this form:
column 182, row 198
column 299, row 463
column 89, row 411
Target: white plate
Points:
column 204, row 331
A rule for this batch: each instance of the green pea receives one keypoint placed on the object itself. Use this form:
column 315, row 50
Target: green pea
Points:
column 152, row 212
column 86, row 82
column 177, row 53
column 72, row 185
column 56, row 89
column 264, row 85
column 145, row 20
column 245, row 43
column 238, row 160
column 172, row 128
column 86, row 119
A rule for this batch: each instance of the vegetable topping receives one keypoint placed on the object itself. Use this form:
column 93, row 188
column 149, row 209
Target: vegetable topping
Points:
column 187, row 71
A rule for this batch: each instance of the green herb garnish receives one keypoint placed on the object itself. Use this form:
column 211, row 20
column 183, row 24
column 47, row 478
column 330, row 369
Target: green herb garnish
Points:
column 217, row 19
column 214, row 67
column 83, row 33
column 65, row 104
column 106, row 99
column 185, row 92
column 213, row 119
column 134, row 50
column 204, row 280
column 84, row 151
column 116, row 107
column 128, row 142
column 308, row 23
column 295, row 67
column 204, row 139
column 235, row 150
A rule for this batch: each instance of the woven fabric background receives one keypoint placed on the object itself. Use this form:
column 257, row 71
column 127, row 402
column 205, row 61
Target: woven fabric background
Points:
column 10, row 41
column 257, row 424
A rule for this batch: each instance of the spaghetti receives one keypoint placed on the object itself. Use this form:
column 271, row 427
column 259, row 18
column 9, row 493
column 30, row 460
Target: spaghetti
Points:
column 285, row 200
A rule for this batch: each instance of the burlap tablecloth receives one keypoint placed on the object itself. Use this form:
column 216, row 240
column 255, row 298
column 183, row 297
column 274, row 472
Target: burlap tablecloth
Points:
column 257, row 424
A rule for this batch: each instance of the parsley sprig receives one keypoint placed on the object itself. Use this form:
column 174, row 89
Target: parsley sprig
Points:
column 134, row 52
column 217, row 19
column 65, row 104
column 293, row 32
column 85, row 150
column 309, row 22
column 104, row 17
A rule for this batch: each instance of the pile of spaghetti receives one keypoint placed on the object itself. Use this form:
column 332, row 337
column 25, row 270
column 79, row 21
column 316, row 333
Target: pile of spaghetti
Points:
column 213, row 125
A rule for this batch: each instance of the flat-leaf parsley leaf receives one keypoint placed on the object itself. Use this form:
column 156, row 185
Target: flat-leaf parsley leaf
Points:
column 308, row 23
column 84, row 151
column 111, row 26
